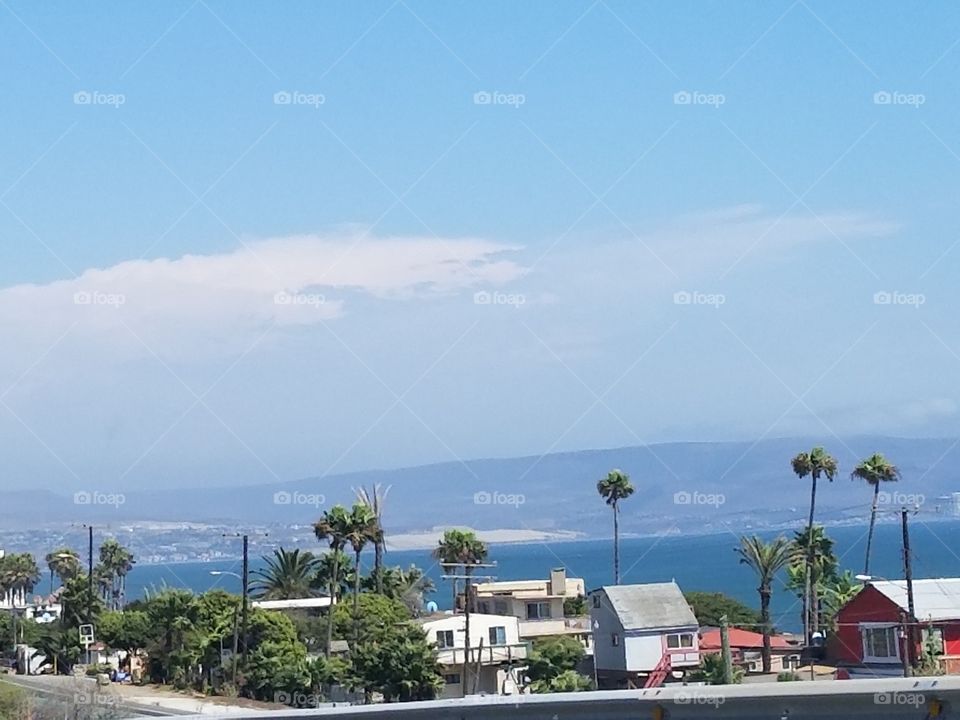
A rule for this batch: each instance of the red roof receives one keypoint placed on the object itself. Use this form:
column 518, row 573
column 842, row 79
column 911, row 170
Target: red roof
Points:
column 710, row 640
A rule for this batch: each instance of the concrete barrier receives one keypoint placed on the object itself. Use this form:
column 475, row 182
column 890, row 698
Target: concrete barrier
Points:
column 919, row 698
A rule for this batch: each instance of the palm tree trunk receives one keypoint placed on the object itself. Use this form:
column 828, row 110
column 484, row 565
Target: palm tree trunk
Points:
column 765, row 622
column 334, row 578
column 873, row 519
column 809, row 611
column 356, row 603
column 378, row 565
column 616, row 545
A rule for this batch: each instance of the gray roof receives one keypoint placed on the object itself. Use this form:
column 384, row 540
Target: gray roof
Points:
column 934, row 599
column 650, row 606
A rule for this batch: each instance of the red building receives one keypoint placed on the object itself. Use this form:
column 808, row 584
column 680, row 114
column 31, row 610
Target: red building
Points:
column 746, row 647
column 871, row 629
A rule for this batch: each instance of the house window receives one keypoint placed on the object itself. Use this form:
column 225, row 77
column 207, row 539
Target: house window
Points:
column 615, row 639
column 680, row 640
column 498, row 635
column 538, row 610
column 596, row 601
column 483, row 607
column 444, row 638
column 452, row 679
column 500, row 607
column 880, row 643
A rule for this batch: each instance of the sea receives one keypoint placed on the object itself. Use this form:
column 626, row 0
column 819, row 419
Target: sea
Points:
column 696, row 562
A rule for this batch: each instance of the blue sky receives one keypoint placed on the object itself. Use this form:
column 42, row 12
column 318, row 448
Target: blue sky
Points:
column 203, row 283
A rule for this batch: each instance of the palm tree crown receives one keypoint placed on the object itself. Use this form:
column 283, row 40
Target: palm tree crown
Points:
column 766, row 560
column 875, row 470
column 615, row 487
column 287, row 575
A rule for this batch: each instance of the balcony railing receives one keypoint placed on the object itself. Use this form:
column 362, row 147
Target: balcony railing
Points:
column 485, row 655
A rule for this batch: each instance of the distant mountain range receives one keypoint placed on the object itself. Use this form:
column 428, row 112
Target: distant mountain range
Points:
column 680, row 487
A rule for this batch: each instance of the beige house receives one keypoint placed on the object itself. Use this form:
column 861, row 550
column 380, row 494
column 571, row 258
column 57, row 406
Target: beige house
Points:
column 537, row 604
column 497, row 654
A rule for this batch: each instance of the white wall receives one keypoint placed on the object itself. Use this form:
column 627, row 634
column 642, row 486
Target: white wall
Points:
column 643, row 651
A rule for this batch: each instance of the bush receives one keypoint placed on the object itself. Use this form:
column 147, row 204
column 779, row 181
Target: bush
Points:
column 788, row 676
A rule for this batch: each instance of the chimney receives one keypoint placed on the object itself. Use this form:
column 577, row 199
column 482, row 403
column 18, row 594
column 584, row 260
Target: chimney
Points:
column 558, row 581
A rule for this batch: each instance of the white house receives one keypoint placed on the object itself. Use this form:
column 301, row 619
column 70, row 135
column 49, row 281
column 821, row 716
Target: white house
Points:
column 497, row 656
column 537, row 604
column 635, row 627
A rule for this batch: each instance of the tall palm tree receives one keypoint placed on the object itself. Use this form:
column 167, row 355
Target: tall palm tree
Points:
column 333, row 527
column 19, row 575
column 63, row 563
column 361, row 530
column 460, row 547
column 812, row 564
column 117, row 561
column 875, row 470
column 333, row 569
column 613, row 488
column 766, row 560
column 816, row 463
column 287, row 575
column 375, row 499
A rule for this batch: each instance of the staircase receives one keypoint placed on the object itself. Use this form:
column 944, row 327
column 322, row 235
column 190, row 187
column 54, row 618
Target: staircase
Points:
column 659, row 673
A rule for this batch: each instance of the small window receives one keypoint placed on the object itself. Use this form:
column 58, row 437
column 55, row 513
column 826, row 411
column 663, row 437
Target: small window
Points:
column 615, row 639
column 498, row 635
column 452, row 679
column 500, row 607
column 538, row 610
column 596, row 600
column 679, row 640
column 484, row 607
column 444, row 638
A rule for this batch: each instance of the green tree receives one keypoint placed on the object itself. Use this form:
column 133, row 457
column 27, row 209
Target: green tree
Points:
column 616, row 486
column 361, row 530
column 130, row 630
column 816, row 463
column 278, row 660
column 375, row 499
column 19, row 575
column 766, row 560
column 409, row 586
column 711, row 671
column 874, row 471
column 63, row 563
column 378, row 614
column 839, row 590
column 288, row 574
column 79, row 605
column 334, row 571
column 575, row 606
column 116, row 562
column 710, row 607
column 333, row 527
column 567, row 681
column 551, row 663
column 401, row 666
column 813, row 565
column 460, row 547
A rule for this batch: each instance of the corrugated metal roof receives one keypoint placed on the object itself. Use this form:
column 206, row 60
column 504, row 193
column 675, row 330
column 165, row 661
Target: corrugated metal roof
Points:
column 650, row 606
column 933, row 599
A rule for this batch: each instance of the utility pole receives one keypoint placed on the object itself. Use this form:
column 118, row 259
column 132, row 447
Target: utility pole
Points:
column 89, row 581
column 725, row 651
column 468, row 577
column 908, row 574
column 246, row 591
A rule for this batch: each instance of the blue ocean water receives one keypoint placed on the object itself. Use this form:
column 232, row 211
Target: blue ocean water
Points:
column 697, row 562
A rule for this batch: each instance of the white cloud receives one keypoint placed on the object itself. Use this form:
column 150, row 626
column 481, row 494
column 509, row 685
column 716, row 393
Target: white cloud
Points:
column 229, row 298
